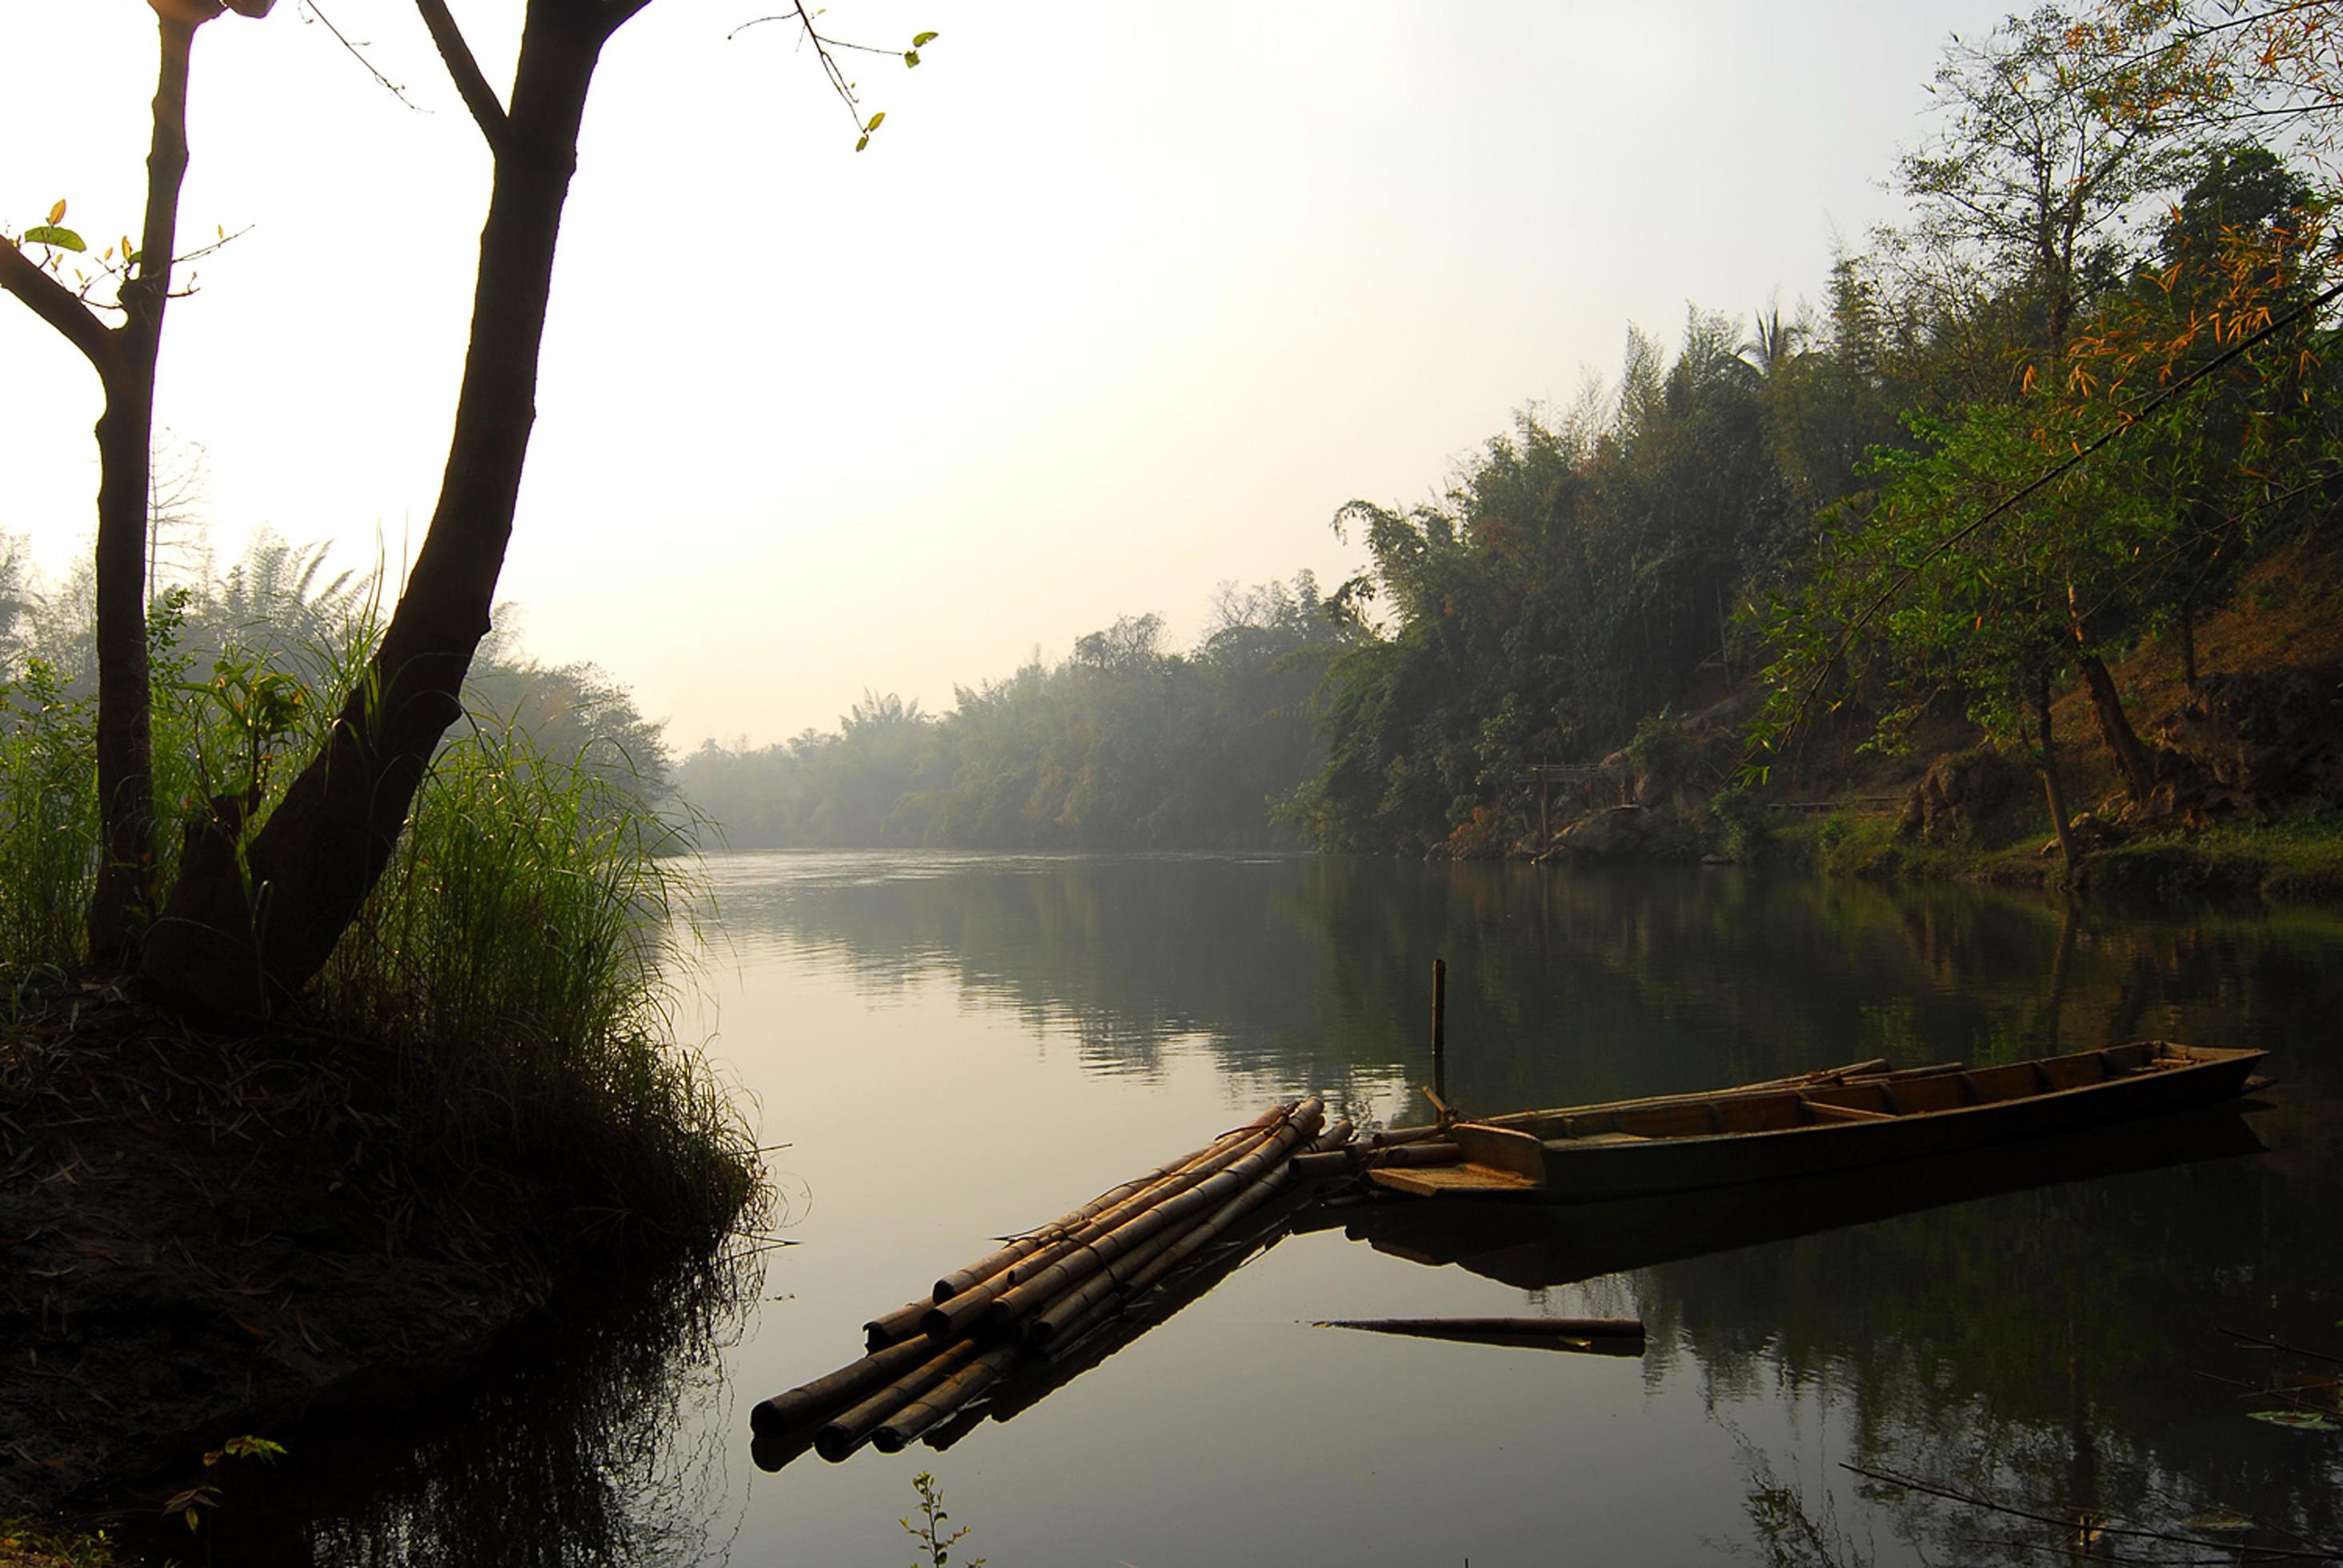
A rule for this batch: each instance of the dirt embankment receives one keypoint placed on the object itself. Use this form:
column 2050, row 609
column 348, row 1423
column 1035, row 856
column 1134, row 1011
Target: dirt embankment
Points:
column 204, row 1235
column 2246, row 796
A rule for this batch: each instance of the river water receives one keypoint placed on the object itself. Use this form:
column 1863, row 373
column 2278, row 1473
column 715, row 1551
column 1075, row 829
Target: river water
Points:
column 948, row 1047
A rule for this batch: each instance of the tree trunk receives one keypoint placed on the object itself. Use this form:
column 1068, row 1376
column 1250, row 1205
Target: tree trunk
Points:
column 2052, row 790
column 2122, row 741
column 124, row 897
column 241, row 936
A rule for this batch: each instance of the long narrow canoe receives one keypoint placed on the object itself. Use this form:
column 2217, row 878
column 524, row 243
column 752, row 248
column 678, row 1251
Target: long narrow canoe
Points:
column 1683, row 1143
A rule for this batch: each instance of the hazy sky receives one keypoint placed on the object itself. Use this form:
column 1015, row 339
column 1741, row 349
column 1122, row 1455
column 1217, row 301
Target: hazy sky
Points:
column 1123, row 302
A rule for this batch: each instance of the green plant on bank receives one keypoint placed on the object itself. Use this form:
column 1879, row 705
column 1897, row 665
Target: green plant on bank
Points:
column 48, row 818
column 518, row 952
column 521, row 946
column 26, row 1545
column 1741, row 818
column 191, row 1502
column 929, row 1531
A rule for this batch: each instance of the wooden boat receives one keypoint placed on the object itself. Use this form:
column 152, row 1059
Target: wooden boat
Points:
column 1541, row 1246
column 1682, row 1143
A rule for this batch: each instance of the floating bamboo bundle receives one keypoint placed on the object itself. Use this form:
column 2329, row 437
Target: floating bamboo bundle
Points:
column 928, row 1359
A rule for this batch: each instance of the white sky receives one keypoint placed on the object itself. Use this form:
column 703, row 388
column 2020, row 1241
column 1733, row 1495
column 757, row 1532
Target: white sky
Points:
column 1123, row 301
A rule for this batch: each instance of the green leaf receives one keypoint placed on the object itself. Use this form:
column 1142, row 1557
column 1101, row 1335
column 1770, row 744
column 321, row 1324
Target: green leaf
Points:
column 862, row 142
column 924, row 40
column 51, row 235
column 875, row 121
column 2296, row 1420
column 910, row 57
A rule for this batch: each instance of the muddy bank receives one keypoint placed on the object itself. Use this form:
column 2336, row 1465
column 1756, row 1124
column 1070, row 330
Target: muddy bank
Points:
column 208, row 1234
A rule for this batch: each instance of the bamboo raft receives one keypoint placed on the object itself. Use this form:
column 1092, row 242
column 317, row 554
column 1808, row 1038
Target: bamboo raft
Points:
column 1045, row 1291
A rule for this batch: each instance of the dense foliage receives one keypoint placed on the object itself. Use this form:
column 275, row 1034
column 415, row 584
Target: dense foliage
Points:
column 2054, row 416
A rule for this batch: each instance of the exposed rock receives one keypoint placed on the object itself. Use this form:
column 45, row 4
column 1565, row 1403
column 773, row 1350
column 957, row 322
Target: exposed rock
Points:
column 1961, row 796
column 2256, row 739
column 1629, row 832
column 2090, row 832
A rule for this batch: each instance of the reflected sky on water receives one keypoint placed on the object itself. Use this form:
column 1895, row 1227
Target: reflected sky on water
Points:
column 955, row 1046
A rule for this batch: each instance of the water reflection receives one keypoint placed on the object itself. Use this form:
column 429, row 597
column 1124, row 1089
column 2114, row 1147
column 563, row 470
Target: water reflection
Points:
column 577, row 1449
column 2038, row 1344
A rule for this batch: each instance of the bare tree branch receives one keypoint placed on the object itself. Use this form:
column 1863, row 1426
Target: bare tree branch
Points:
column 55, row 304
column 357, row 53
column 470, row 86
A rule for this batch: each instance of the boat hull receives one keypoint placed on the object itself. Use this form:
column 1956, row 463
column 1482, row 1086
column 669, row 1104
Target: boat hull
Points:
column 1876, row 1122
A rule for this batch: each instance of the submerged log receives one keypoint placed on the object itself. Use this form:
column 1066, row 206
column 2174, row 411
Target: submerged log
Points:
column 1495, row 1328
column 810, row 1403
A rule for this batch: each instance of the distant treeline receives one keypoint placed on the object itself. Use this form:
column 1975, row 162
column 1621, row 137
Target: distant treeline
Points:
column 2056, row 415
column 1124, row 745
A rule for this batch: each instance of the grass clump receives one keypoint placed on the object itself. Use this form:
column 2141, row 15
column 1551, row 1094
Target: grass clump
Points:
column 25, row 1544
column 519, row 955
column 522, row 952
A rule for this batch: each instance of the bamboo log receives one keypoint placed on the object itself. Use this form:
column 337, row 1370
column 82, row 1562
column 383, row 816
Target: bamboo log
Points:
column 970, row 1380
column 1335, row 1137
column 771, row 1451
column 1877, row 1066
column 1441, row 1152
column 1319, row 1166
column 966, row 1308
column 845, row 1433
column 1032, row 1240
column 808, row 1402
column 1080, row 1309
column 1495, row 1328
column 1036, row 1293
column 895, row 1327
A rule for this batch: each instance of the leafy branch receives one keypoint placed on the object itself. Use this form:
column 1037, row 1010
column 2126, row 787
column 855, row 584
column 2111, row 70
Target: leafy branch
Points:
column 827, row 49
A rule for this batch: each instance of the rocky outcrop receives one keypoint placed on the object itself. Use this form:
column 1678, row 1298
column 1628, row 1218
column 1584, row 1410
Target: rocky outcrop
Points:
column 2253, row 741
column 1963, row 797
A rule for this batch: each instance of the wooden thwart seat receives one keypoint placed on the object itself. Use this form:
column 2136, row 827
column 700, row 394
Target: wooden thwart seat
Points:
column 1823, row 1110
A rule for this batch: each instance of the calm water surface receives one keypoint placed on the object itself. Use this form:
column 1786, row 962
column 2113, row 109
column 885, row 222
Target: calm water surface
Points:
column 951, row 1048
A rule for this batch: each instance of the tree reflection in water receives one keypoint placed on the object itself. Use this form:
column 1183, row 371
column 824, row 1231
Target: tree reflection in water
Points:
column 574, row 1450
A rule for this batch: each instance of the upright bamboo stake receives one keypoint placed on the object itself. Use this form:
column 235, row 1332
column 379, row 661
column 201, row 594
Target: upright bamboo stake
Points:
column 1440, row 1035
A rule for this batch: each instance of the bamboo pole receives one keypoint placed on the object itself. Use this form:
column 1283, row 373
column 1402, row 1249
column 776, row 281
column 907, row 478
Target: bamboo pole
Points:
column 1032, row 1240
column 1876, row 1067
column 845, row 1433
column 1432, row 1151
column 1440, row 1034
column 1078, row 1263
column 1080, row 1311
column 950, row 1318
column 970, row 1380
column 895, row 1327
column 808, row 1402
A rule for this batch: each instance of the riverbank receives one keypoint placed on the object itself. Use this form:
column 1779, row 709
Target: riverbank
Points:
column 214, row 1234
